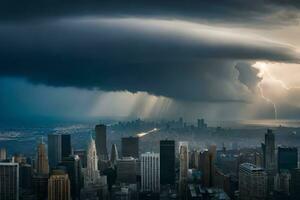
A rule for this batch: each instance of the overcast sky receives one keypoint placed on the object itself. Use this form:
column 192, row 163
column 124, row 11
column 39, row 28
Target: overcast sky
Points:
column 225, row 60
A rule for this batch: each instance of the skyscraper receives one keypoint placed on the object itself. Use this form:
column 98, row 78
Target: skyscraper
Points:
column 183, row 169
column 287, row 158
column 270, row 162
column 167, row 162
column 114, row 156
column 42, row 165
column 150, row 172
column 66, row 148
column 9, row 181
column 130, row 147
column 252, row 182
column 73, row 168
column 91, row 172
column 207, row 160
column 269, row 159
column 100, row 141
column 54, row 149
column 59, row 186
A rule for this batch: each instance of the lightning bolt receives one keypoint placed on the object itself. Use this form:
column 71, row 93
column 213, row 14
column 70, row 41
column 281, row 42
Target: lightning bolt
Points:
column 264, row 73
column 267, row 99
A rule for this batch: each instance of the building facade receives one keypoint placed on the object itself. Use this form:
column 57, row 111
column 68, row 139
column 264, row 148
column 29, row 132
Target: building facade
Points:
column 9, row 181
column 54, row 149
column 59, row 186
column 150, row 172
column 252, row 182
column 287, row 158
column 42, row 165
column 100, row 140
column 167, row 162
column 183, row 168
column 66, row 147
column 127, row 170
column 130, row 147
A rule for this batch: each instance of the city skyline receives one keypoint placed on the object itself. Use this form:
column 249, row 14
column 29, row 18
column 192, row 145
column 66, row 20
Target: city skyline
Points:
column 175, row 170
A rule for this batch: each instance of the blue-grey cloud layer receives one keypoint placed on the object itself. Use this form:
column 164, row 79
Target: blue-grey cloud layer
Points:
column 157, row 57
column 281, row 11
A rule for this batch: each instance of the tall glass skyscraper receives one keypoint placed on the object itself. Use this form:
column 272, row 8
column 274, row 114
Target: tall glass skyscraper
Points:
column 66, row 148
column 287, row 158
column 269, row 150
column 100, row 141
column 167, row 162
column 54, row 149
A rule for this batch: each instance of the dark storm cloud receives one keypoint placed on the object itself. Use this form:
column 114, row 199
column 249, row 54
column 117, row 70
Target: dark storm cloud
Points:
column 174, row 59
column 248, row 75
column 225, row 10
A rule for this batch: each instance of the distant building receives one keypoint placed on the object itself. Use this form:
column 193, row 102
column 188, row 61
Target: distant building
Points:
column 201, row 124
column 252, row 182
column 130, row 147
column 167, row 162
column 59, row 186
column 183, row 168
column 287, row 158
column 100, row 141
column 54, row 149
column 114, row 156
column 19, row 158
column 42, row 165
column 2, row 154
column 127, row 170
column 9, row 181
column 150, row 172
column 295, row 184
column 66, row 147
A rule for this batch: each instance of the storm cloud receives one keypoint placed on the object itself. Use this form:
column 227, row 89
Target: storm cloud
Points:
column 255, row 11
column 175, row 59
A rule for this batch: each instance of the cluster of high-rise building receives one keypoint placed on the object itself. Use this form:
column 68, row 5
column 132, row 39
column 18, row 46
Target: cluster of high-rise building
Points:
column 59, row 172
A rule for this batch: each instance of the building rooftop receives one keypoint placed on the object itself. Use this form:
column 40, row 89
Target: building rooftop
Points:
column 251, row 167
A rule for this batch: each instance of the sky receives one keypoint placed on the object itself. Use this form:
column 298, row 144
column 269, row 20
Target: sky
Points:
column 82, row 60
